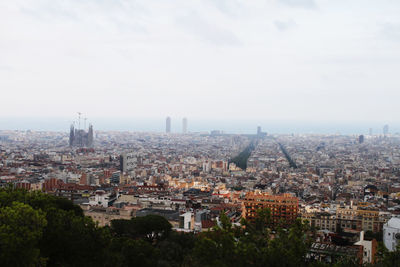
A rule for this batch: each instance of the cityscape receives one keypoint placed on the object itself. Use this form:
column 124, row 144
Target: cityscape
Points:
column 345, row 187
column 200, row 133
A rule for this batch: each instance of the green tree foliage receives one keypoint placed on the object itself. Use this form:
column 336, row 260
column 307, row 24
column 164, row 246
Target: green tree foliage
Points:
column 371, row 235
column 150, row 227
column 73, row 240
column 37, row 200
column 21, row 228
column 389, row 258
column 289, row 246
column 132, row 252
column 176, row 249
column 42, row 230
column 59, row 234
column 252, row 244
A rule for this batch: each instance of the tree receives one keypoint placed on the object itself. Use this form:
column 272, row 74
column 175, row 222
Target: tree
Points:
column 176, row 249
column 21, row 228
column 389, row 258
column 150, row 227
column 73, row 240
column 131, row 252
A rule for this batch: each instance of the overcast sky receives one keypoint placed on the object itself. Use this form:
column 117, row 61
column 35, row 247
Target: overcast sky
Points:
column 311, row 60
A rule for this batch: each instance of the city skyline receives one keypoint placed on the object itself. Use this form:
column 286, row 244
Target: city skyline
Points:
column 202, row 125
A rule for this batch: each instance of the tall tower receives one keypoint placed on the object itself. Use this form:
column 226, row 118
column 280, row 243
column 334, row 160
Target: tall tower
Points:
column 168, row 125
column 90, row 136
column 184, row 125
column 258, row 130
column 386, row 129
column 71, row 135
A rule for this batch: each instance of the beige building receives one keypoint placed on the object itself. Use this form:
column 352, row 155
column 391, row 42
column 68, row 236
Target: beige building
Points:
column 104, row 216
column 321, row 220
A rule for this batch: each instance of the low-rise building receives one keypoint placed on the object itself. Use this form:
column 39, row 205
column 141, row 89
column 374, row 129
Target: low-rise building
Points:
column 391, row 234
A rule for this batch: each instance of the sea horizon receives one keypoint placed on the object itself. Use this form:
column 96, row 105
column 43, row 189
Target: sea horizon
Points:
column 229, row 126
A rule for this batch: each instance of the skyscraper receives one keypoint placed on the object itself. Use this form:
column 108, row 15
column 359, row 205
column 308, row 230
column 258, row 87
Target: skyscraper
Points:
column 386, row 129
column 90, row 136
column 184, row 125
column 258, row 130
column 168, row 125
column 71, row 135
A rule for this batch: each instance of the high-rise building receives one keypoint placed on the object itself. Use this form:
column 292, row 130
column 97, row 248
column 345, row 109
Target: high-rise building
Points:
column 386, row 129
column 71, row 136
column 168, row 125
column 361, row 139
column 90, row 136
column 284, row 208
column 260, row 133
column 370, row 131
column 184, row 125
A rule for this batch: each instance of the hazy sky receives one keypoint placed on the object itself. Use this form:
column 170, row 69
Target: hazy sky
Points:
column 314, row 60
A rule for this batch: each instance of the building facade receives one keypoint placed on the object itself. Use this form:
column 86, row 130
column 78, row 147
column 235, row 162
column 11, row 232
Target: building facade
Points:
column 391, row 234
column 321, row 220
column 80, row 137
column 168, row 125
column 184, row 125
column 284, row 208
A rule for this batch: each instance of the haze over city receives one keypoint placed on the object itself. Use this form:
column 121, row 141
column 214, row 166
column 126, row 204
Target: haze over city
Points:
column 239, row 126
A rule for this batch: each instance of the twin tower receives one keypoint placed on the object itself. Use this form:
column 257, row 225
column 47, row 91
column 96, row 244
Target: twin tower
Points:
column 168, row 125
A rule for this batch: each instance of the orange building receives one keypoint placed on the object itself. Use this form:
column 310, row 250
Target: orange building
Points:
column 284, row 208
